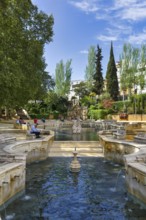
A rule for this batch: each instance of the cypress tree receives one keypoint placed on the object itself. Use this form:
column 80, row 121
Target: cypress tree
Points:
column 98, row 78
column 111, row 77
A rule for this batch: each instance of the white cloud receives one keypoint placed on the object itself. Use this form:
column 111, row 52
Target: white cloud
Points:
column 121, row 4
column 85, row 5
column 106, row 38
column 134, row 14
column 123, row 9
column 120, row 27
column 84, row 51
column 119, row 17
column 138, row 38
column 130, row 9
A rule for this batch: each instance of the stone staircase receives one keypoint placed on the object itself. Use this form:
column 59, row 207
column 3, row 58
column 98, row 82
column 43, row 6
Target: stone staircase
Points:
column 84, row 149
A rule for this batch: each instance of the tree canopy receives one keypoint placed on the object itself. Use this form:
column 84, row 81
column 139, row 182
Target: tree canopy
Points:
column 63, row 74
column 98, row 78
column 111, row 77
column 23, row 33
column 91, row 67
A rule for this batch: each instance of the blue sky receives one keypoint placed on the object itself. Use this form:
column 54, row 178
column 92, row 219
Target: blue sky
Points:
column 78, row 24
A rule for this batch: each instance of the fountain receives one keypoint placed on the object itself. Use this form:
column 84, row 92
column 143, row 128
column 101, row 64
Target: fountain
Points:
column 76, row 127
column 75, row 165
column 89, row 195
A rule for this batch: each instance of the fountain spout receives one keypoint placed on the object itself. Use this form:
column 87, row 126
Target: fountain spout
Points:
column 75, row 165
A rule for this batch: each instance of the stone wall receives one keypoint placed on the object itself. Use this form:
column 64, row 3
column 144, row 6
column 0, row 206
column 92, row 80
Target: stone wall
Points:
column 13, row 164
column 12, row 181
column 133, row 156
column 114, row 149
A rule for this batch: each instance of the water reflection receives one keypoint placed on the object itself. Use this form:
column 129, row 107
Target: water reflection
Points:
column 56, row 193
column 87, row 134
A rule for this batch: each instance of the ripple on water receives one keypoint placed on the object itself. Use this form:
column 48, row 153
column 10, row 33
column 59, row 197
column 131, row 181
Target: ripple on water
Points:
column 9, row 217
column 26, row 197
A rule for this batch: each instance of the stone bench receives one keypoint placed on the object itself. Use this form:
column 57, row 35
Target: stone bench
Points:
column 21, row 126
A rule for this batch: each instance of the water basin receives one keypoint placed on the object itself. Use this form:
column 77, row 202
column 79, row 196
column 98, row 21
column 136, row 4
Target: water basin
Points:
column 53, row 192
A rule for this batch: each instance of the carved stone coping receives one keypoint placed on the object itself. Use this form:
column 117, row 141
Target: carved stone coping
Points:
column 137, row 172
column 25, row 145
column 8, row 166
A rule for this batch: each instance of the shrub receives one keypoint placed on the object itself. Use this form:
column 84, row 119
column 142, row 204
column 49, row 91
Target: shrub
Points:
column 97, row 114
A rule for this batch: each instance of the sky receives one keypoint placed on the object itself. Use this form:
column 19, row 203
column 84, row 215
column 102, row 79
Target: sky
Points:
column 80, row 24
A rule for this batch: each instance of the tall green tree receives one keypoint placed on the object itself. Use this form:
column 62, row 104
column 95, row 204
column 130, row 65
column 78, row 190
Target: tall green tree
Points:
column 23, row 33
column 91, row 67
column 63, row 74
column 111, row 77
column 142, row 67
column 129, row 61
column 98, row 78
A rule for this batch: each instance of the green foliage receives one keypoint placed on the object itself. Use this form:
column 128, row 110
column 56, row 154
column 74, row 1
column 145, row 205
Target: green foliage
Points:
column 98, row 78
column 138, row 103
column 97, row 113
column 87, row 101
column 111, row 77
column 23, row 33
column 39, row 116
column 91, row 67
column 56, row 103
column 105, row 95
column 63, row 77
column 121, row 106
column 132, row 68
column 81, row 89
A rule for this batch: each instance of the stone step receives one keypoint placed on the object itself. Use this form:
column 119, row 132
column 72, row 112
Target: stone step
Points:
column 81, row 149
column 76, row 143
column 84, row 148
column 69, row 154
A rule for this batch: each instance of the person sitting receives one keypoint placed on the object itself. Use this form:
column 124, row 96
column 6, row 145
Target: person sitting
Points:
column 21, row 121
column 35, row 131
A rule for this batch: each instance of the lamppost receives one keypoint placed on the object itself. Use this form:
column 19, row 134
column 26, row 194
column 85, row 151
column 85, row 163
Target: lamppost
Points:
column 135, row 109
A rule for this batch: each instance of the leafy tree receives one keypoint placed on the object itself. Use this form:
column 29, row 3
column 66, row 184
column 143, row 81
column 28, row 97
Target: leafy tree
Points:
column 129, row 62
column 91, row 67
column 63, row 77
column 98, row 78
column 87, row 101
column 81, row 89
column 56, row 102
column 111, row 77
column 23, row 34
column 142, row 67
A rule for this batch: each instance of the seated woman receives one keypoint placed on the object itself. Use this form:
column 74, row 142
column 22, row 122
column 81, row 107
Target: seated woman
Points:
column 35, row 131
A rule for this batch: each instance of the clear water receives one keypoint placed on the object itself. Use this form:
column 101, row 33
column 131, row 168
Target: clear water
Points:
column 65, row 134
column 98, row 192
